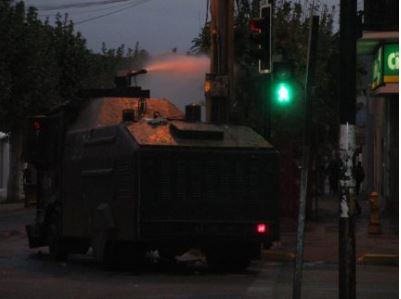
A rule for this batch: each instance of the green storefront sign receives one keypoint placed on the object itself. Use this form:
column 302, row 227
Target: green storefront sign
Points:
column 385, row 67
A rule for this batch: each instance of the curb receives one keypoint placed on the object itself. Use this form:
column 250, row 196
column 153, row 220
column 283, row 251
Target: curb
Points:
column 366, row 259
column 278, row 256
column 378, row 259
column 10, row 207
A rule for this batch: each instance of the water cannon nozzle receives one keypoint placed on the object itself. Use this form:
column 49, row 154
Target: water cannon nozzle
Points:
column 139, row 72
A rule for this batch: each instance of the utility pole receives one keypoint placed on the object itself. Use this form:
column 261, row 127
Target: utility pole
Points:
column 310, row 73
column 220, row 81
column 348, row 22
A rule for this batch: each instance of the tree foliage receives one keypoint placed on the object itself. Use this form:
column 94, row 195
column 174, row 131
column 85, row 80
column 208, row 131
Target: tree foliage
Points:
column 25, row 59
column 290, row 32
column 201, row 43
column 105, row 65
column 42, row 65
column 290, row 42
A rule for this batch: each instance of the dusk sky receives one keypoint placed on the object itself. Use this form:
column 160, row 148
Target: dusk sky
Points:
column 158, row 25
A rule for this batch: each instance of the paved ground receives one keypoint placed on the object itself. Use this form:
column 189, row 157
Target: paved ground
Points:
column 321, row 235
column 26, row 273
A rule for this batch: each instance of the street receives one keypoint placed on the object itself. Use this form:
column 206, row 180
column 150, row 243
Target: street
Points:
column 26, row 273
column 232, row 130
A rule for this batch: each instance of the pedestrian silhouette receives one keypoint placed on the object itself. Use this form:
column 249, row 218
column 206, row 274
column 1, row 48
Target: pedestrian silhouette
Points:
column 359, row 177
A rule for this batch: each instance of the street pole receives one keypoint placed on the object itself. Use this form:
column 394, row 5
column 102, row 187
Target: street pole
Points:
column 347, row 265
column 311, row 62
column 265, row 92
column 221, row 62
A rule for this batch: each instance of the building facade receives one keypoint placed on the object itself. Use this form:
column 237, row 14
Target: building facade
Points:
column 378, row 52
column 4, row 165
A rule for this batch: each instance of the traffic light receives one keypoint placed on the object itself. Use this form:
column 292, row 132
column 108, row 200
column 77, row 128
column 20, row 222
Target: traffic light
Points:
column 283, row 91
column 260, row 36
column 283, row 85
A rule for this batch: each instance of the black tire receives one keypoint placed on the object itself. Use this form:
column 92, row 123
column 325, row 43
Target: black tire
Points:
column 110, row 259
column 169, row 254
column 222, row 263
column 57, row 249
column 78, row 248
column 228, row 259
column 123, row 255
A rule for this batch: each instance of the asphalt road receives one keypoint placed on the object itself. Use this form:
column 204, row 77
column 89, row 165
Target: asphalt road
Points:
column 26, row 273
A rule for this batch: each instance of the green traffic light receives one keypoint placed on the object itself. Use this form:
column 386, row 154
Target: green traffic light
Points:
column 283, row 93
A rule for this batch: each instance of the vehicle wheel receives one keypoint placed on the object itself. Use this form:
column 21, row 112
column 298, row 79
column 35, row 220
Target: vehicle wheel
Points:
column 78, row 248
column 134, row 256
column 57, row 249
column 222, row 263
column 109, row 257
column 122, row 255
column 228, row 259
column 168, row 253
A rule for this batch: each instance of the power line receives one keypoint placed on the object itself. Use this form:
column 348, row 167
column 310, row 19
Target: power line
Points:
column 111, row 13
column 79, row 5
column 89, row 11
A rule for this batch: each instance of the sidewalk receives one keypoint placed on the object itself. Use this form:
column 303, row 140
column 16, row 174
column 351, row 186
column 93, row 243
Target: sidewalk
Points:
column 321, row 237
column 10, row 207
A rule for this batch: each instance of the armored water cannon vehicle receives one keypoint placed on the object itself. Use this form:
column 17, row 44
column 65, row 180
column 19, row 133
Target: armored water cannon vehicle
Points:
column 126, row 173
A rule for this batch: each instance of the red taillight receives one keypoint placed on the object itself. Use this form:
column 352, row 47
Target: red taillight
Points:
column 262, row 228
column 36, row 125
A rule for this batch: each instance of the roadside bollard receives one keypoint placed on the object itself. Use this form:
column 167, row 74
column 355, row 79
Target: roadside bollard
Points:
column 374, row 227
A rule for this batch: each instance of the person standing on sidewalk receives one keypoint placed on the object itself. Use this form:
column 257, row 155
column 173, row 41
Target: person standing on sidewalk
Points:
column 359, row 177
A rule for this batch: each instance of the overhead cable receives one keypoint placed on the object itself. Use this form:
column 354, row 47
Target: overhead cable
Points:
column 111, row 13
column 80, row 12
column 79, row 5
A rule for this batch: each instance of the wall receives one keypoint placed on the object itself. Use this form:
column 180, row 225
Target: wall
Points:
column 4, row 166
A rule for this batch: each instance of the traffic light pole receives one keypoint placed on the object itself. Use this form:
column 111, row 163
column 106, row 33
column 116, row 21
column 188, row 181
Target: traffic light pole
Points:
column 221, row 75
column 347, row 263
column 267, row 81
column 310, row 71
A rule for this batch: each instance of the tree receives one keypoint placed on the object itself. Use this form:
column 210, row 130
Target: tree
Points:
column 105, row 65
column 26, row 61
column 290, row 41
column 201, row 43
column 41, row 66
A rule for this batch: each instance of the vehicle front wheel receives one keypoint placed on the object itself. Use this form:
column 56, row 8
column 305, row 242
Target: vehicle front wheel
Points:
column 226, row 258
column 57, row 249
column 123, row 255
